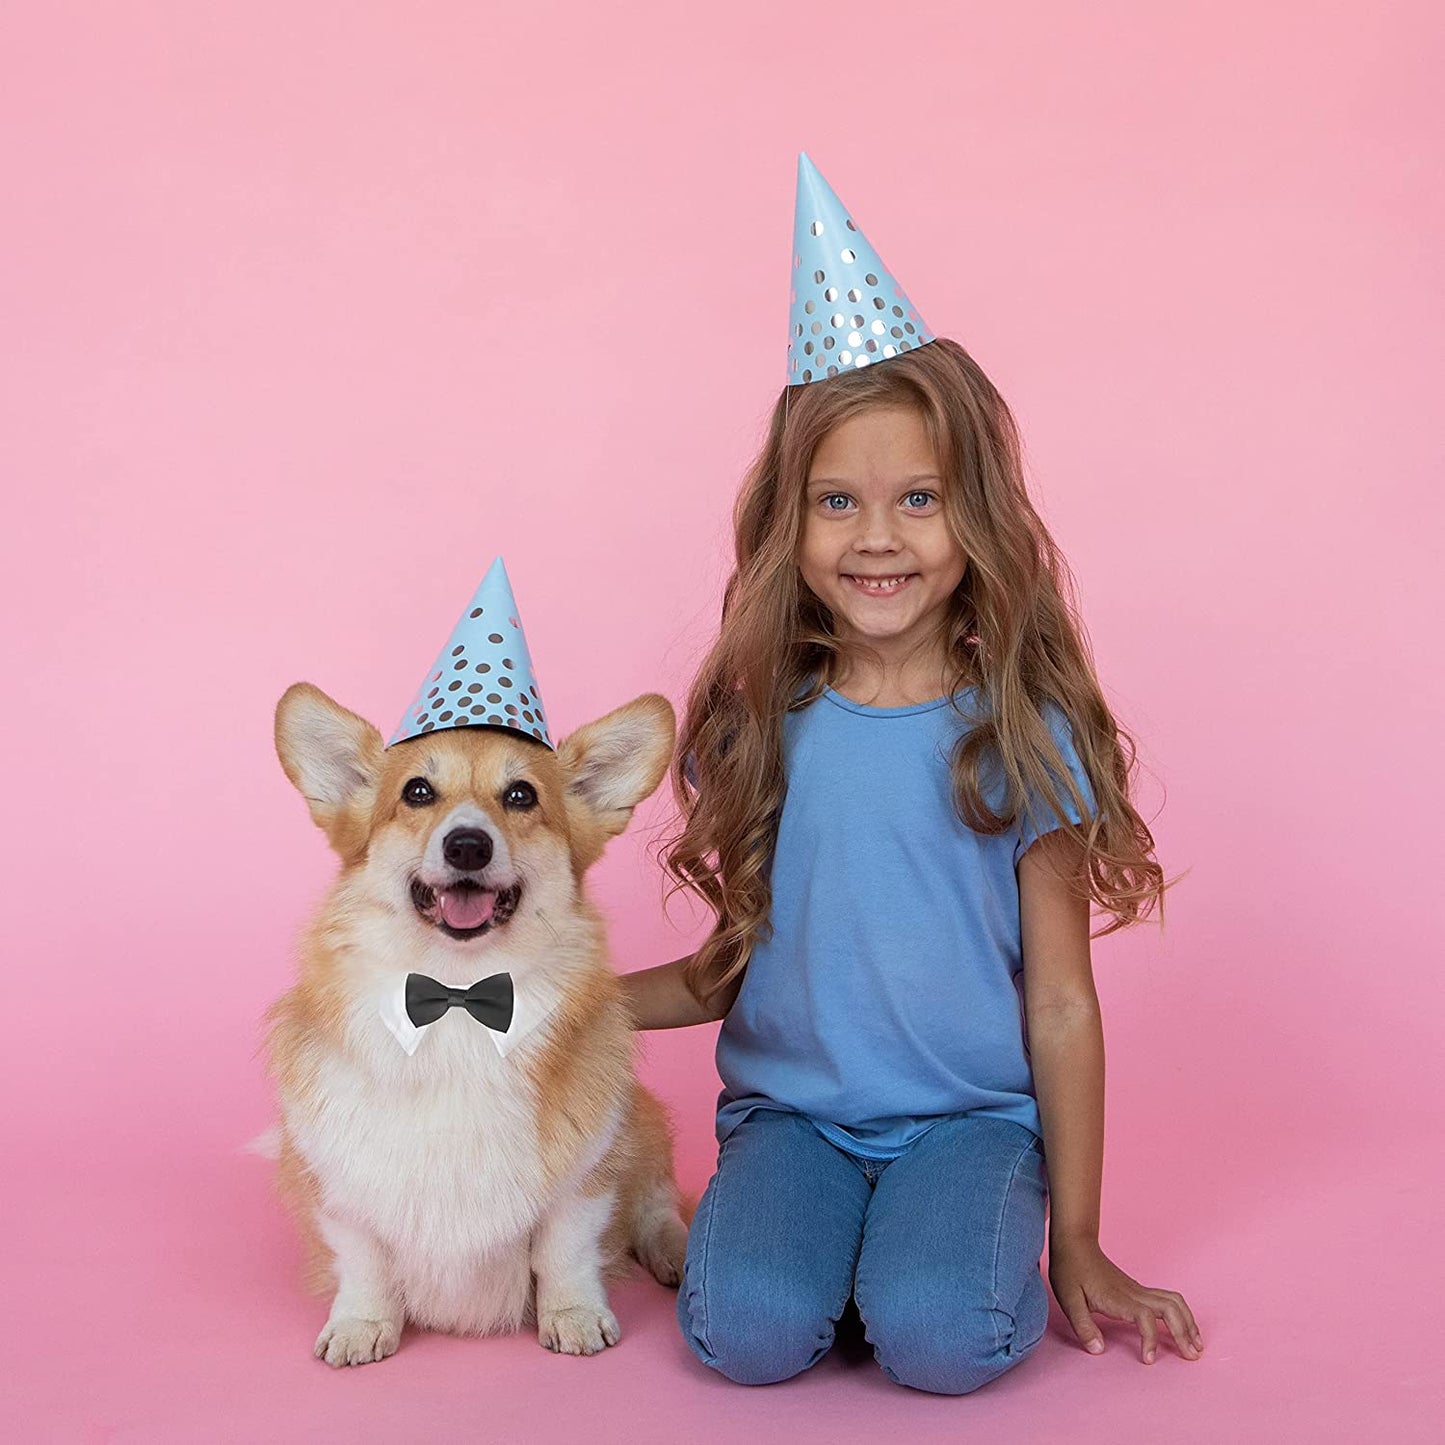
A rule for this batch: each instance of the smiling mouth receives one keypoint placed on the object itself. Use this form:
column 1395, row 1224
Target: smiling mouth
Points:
column 881, row 586
column 464, row 909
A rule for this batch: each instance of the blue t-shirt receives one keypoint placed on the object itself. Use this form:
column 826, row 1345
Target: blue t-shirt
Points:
column 889, row 994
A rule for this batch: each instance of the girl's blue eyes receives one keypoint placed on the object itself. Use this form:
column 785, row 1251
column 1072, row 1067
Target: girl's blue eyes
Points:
column 828, row 498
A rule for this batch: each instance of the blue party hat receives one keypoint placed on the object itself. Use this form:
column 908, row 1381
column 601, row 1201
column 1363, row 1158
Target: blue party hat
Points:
column 483, row 676
column 847, row 309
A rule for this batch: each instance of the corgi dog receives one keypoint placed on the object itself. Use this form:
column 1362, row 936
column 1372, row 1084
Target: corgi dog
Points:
column 462, row 1135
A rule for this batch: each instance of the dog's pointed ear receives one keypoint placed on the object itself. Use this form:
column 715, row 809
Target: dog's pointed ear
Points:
column 332, row 756
column 612, row 764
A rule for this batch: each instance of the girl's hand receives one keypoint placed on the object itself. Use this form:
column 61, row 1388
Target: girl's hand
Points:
column 1085, row 1281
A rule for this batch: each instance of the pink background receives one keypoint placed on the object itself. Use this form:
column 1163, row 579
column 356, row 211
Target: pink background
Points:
column 308, row 310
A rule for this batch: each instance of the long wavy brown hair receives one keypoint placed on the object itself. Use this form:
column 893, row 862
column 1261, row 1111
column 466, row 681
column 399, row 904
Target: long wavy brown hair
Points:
column 1014, row 635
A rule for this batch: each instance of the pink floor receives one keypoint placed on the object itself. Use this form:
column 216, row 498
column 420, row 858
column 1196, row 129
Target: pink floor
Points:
column 151, row 1295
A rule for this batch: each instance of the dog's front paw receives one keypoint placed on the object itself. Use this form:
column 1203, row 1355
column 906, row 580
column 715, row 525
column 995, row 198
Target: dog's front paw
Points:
column 579, row 1330
column 357, row 1342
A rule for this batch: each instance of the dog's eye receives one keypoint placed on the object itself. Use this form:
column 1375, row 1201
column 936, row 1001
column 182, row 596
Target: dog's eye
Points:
column 418, row 793
column 521, row 795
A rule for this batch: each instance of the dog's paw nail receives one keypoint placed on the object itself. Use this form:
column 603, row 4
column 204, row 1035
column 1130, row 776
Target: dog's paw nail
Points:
column 580, row 1330
column 357, row 1342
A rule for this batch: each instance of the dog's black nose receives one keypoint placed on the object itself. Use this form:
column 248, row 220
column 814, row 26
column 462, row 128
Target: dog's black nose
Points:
column 467, row 849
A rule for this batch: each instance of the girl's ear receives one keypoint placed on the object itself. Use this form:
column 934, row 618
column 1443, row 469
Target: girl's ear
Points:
column 612, row 764
column 332, row 756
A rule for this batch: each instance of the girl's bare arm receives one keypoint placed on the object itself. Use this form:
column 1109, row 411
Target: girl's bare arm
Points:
column 659, row 998
column 1065, row 1031
column 1066, row 1043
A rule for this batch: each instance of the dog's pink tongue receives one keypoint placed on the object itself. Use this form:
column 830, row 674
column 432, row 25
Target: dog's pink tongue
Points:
column 466, row 907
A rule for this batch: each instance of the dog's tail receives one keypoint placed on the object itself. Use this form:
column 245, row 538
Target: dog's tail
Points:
column 267, row 1143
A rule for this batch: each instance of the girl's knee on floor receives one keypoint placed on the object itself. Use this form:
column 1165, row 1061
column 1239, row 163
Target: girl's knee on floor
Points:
column 771, row 1251
column 753, row 1335
column 945, row 1350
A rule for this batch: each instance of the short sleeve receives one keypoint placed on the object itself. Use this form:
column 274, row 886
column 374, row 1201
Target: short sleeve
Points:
column 1031, row 829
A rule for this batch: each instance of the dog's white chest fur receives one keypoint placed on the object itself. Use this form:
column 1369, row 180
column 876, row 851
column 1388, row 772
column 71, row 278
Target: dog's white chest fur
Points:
column 436, row 1156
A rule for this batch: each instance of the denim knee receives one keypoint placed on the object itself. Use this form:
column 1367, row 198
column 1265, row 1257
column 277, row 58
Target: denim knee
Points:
column 932, row 1345
column 772, row 1337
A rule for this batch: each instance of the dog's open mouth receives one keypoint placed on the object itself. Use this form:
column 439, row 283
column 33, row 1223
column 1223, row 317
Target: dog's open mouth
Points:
column 464, row 909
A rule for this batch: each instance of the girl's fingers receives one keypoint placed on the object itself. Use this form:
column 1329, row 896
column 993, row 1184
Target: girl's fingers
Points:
column 1170, row 1307
column 1076, row 1307
column 1144, row 1307
column 1176, row 1316
column 1170, row 1304
column 1189, row 1322
column 1149, row 1335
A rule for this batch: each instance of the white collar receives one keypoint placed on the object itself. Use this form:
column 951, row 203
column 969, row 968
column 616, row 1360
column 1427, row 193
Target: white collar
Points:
column 531, row 1003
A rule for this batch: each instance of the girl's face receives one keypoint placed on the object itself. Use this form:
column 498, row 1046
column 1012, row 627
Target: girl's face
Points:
column 875, row 547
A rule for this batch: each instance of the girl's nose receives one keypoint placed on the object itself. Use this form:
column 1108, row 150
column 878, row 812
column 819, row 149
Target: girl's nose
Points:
column 877, row 531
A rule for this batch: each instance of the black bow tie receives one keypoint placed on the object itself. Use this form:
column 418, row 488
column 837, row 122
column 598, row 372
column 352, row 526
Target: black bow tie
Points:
column 489, row 1002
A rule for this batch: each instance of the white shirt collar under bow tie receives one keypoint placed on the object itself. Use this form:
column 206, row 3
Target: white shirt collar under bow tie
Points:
column 530, row 1005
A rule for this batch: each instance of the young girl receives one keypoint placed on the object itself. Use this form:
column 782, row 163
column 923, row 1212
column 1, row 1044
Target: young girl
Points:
column 901, row 789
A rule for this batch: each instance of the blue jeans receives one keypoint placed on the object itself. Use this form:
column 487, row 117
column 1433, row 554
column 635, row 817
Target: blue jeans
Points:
column 939, row 1250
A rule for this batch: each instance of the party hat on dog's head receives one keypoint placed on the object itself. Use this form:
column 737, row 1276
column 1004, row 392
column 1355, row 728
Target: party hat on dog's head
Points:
column 848, row 311
column 483, row 676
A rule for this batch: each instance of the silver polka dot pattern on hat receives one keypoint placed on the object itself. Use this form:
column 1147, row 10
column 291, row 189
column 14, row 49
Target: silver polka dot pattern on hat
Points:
column 832, row 258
